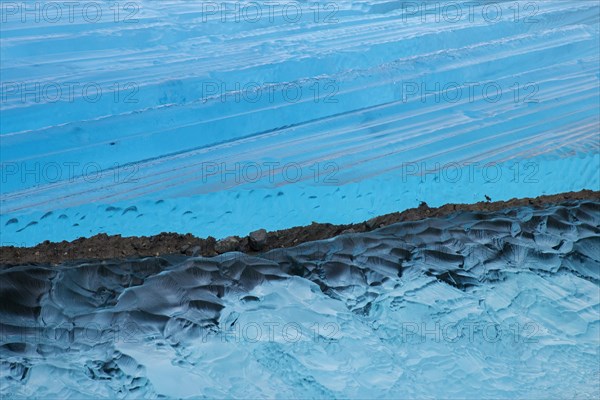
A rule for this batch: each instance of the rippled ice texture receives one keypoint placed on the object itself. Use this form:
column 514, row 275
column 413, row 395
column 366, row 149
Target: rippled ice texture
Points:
column 394, row 107
column 472, row 306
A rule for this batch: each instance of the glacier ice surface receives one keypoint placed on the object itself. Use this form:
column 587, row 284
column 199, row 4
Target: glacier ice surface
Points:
column 475, row 305
column 357, row 135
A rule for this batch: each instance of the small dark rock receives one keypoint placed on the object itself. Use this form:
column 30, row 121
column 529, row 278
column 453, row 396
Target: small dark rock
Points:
column 372, row 223
column 257, row 239
column 226, row 245
column 194, row 251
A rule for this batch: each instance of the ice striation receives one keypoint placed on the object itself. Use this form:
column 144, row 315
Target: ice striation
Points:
column 475, row 305
column 371, row 103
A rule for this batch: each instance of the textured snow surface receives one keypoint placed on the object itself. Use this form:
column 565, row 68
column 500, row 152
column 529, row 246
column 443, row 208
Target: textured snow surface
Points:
column 498, row 306
column 368, row 104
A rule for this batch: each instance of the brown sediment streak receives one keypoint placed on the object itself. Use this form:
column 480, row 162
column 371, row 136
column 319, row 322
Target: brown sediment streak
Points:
column 103, row 246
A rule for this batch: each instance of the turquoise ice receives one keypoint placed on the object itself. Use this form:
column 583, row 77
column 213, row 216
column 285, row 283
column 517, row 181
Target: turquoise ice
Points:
column 142, row 117
column 219, row 118
column 497, row 308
